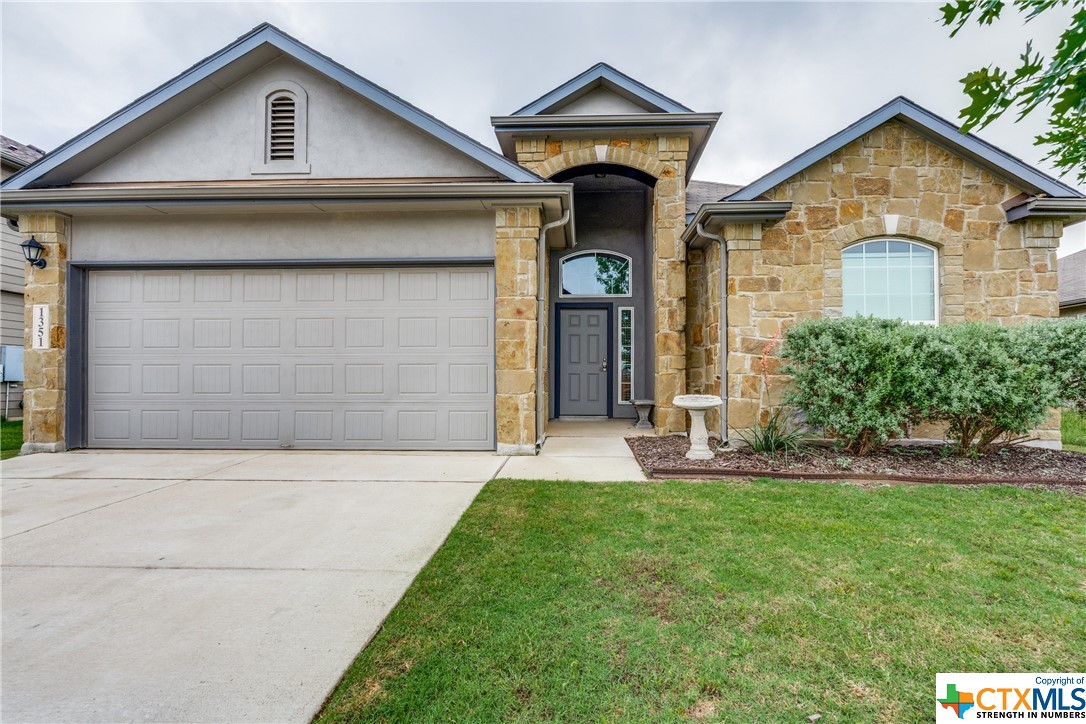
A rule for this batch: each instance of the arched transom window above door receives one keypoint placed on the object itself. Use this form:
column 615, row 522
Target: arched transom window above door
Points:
column 595, row 274
column 891, row 279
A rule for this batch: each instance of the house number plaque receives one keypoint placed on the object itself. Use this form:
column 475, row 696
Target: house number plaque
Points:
column 39, row 330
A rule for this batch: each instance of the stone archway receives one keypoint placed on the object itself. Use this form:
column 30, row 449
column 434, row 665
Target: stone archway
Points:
column 664, row 158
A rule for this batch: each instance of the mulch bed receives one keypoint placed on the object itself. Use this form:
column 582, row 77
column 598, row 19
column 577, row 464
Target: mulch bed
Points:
column 664, row 457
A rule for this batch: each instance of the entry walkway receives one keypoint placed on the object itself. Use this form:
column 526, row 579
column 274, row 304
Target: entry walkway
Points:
column 590, row 450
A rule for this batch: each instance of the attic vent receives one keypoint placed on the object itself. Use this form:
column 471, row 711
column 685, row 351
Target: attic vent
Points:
column 282, row 111
column 280, row 130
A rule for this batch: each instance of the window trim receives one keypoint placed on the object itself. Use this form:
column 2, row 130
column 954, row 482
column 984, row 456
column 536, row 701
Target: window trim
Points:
column 936, row 290
column 633, row 356
column 299, row 164
column 594, row 252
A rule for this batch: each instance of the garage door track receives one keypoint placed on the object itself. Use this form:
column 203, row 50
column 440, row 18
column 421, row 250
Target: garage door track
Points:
column 209, row 586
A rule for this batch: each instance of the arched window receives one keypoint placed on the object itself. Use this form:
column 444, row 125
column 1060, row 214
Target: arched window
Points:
column 282, row 129
column 595, row 274
column 892, row 279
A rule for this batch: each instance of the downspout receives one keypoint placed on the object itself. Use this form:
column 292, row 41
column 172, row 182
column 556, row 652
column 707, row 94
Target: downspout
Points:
column 540, row 317
column 723, row 334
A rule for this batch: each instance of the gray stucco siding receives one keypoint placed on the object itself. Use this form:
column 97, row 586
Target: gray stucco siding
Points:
column 348, row 137
column 237, row 237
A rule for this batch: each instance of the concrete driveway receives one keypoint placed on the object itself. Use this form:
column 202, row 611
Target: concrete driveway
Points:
column 209, row 586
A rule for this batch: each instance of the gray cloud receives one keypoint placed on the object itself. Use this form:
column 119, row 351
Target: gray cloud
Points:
column 785, row 75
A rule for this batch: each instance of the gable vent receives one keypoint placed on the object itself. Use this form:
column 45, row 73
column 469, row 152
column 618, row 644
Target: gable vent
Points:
column 282, row 125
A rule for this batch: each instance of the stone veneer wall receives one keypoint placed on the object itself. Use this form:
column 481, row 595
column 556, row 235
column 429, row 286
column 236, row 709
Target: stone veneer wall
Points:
column 664, row 158
column 703, row 315
column 890, row 182
column 44, row 369
column 516, row 248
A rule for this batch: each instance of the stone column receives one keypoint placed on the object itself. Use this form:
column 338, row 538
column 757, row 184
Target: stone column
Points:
column 517, row 241
column 45, row 383
column 669, row 282
column 741, row 342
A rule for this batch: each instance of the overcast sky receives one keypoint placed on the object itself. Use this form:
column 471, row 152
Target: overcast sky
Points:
column 785, row 75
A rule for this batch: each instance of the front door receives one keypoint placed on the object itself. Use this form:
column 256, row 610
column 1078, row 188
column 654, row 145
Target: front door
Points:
column 583, row 359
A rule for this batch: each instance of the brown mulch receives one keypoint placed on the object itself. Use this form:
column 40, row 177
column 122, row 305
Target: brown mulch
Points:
column 664, row 457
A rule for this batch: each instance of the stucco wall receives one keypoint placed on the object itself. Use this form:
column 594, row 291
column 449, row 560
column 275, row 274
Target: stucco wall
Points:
column 375, row 235
column 223, row 137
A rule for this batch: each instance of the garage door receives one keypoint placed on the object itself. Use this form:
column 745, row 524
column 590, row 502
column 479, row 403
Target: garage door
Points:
column 254, row 358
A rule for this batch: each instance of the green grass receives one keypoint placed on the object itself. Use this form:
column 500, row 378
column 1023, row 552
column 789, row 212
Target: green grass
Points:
column 762, row 601
column 11, row 438
column 1073, row 431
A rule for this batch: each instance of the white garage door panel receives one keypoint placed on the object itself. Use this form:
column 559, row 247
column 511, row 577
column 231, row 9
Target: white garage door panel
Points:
column 355, row 359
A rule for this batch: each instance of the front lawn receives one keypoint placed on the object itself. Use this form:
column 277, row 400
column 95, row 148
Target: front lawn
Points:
column 744, row 601
column 1073, row 430
column 11, row 438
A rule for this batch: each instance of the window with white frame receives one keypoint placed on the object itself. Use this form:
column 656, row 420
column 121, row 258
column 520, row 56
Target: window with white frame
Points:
column 625, row 354
column 891, row 279
column 595, row 274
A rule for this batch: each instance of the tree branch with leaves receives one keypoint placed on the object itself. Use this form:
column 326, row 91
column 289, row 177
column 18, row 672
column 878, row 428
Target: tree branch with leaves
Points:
column 1059, row 82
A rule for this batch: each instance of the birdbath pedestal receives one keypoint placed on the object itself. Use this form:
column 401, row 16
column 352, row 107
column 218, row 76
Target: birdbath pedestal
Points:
column 699, row 436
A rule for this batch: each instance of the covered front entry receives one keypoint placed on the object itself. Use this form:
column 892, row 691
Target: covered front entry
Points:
column 363, row 358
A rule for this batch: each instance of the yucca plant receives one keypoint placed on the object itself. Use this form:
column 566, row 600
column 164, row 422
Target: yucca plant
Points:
column 778, row 434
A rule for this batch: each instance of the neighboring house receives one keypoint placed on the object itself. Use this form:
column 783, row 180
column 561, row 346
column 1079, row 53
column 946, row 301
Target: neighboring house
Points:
column 270, row 251
column 1073, row 284
column 14, row 156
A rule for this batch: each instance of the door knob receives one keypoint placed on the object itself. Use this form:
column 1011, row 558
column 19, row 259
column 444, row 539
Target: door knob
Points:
column 604, row 365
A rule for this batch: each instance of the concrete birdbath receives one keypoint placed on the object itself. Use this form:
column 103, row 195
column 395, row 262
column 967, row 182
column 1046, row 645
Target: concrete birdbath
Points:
column 699, row 436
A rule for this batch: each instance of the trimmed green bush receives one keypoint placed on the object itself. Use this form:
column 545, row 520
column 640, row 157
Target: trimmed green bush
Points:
column 863, row 379
column 1059, row 345
column 990, row 389
column 866, row 380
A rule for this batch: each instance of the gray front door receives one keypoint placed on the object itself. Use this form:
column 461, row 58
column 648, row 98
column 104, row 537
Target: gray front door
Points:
column 582, row 363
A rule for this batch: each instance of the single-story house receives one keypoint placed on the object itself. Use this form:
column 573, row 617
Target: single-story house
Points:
column 270, row 251
column 1072, row 273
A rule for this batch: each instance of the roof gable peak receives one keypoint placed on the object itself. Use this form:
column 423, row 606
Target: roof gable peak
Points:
column 602, row 75
column 934, row 127
column 180, row 93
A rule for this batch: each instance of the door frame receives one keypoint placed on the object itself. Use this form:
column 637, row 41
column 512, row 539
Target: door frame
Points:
column 605, row 306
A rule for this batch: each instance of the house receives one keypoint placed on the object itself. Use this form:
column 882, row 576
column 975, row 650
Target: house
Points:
column 1072, row 274
column 270, row 251
column 13, row 157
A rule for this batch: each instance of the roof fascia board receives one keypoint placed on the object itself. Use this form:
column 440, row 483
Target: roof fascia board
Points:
column 1071, row 211
column 615, row 120
column 723, row 212
column 928, row 124
column 602, row 72
column 244, row 45
column 304, row 192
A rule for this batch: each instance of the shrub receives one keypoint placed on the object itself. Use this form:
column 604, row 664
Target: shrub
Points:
column 778, row 434
column 1058, row 345
column 863, row 379
column 992, row 388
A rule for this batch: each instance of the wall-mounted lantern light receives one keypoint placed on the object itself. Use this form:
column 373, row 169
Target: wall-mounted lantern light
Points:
column 33, row 252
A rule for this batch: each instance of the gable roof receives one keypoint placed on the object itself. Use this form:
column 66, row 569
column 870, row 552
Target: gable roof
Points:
column 702, row 192
column 18, row 154
column 203, row 80
column 613, row 80
column 930, row 125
